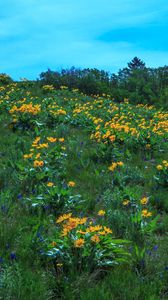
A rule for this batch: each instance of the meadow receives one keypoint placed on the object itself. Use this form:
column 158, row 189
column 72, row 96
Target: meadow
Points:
column 83, row 196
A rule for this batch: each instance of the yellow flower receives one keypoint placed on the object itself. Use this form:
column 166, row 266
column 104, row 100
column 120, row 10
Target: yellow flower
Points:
column 112, row 138
column 38, row 163
column 71, row 183
column 38, row 155
column 59, row 265
column 50, row 184
column 61, row 140
column 102, row 232
column 94, row 228
column 107, row 230
column 79, row 243
column 51, row 139
column 146, row 213
column 126, row 202
column 144, row 201
column 64, row 217
column 120, row 163
column 27, row 155
column 101, row 212
column 112, row 167
column 159, row 167
column 95, row 238
column 64, row 232
column 165, row 162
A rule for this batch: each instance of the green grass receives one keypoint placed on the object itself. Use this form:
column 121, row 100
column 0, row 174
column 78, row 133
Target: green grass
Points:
column 25, row 273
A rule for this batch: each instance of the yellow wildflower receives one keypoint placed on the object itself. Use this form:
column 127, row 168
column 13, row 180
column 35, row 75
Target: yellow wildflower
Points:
column 107, row 230
column 101, row 212
column 95, row 238
column 126, row 202
column 61, row 140
column 79, row 243
column 50, row 184
column 38, row 155
column 63, row 217
column 146, row 213
column 159, row 167
column 71, row 183
column 59, row 265
column 112, row 167
column 38, row 163
column 144, row 201
column 51, row 139
column 94, row 228
column 120, row 163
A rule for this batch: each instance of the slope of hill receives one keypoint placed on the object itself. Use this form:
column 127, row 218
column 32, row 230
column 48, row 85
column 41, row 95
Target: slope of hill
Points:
column 83, row 202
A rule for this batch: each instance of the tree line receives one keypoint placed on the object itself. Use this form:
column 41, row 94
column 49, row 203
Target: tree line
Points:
column 135, row 82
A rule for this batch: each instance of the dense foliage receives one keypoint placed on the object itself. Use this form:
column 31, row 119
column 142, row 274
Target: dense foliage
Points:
column 83, row 201
column 136, row 82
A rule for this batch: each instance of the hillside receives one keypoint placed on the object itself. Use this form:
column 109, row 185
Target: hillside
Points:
column 83, row 204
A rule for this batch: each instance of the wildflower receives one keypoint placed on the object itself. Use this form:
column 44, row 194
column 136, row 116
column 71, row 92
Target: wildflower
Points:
column 44, row 145
column 120, row 163
column 71, row 183
column 126, row 202
column 63, row 217
column 12, row 255
column 25, row 156
column 19, row 196
column 112, row 138
column 59, row 265
column 146, row 213
column 102, row 232
column 144, row 201
column 50, row 184
column 64, row 232
column 107, row 230
column 38, row 163
column 51, row 139
column 38, row 155
column 79, row 243
column 159, row 167
column 165, row 162
column 63, row 87
column 61, row 140
column 94, row 228
column 61, row 112
column 81, row 220
column 95, row 238
column 101, row 212
column 112, row 167
column 48, row 87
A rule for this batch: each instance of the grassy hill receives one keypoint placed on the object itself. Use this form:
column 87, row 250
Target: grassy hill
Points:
column 83, row 203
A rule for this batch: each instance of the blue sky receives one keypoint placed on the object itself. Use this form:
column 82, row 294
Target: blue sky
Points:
column 40, row 34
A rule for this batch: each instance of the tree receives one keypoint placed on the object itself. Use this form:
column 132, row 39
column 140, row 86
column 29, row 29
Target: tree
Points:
column 136, row 64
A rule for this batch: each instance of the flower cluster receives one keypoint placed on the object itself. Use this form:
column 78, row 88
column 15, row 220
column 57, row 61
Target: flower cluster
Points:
column 114, row 165
column 26, row 108
column 89, row 238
